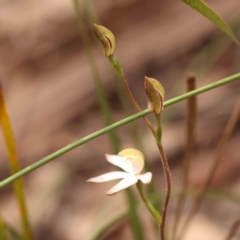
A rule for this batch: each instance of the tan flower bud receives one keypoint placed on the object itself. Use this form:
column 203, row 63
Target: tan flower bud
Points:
column 107, row 39
column 155, row 94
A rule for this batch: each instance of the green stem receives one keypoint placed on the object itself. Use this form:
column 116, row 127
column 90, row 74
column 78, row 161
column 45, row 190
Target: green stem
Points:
column 169, row 186
column 166, row 172
column 96, row 134
column 159, row 129
column 149, row 206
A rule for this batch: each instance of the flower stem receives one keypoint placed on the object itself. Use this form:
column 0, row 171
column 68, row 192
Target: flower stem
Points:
column 98, row 133
column 117, row 66
column 159, row 129
column 149, row 206
column 166, row 172
column 168, row 180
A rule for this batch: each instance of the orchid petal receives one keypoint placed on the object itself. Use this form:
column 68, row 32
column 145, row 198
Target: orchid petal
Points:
column 145, row 178
column 109, row 176
column 126, row 182
column 120, row 161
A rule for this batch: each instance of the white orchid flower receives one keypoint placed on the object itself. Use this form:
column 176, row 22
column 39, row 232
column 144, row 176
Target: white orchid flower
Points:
column 132, row 162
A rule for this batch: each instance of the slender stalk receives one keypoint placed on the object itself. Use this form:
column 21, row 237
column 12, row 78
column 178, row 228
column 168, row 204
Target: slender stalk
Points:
column 216, row 161
column 117, row 66
column 98, row 133
column 167, row 198
column 14, row 167
column 190, row 127
column 233, row 230
column 159, row 129
column 166, row 172
column 114, row 141
column 149, row 206
column 157, row 135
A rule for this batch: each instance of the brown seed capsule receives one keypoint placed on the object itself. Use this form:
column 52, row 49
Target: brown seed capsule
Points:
column 107, row 39
column 155, row 94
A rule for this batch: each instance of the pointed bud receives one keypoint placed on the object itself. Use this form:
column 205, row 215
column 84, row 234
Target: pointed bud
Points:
column 155, row 94
column 135, row 157
column 107, row 39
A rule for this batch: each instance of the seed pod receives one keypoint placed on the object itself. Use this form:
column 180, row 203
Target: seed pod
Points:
column 155, row 94
column 107, row 39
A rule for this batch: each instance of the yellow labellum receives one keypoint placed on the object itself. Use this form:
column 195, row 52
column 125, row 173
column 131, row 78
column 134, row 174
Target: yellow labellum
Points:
column 134, row 156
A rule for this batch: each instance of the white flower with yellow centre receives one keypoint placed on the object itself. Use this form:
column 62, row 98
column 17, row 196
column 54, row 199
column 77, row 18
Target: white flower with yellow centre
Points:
column 132, row 162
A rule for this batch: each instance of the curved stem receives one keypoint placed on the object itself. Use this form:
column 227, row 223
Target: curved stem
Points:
column 169, row 186
column 149, row 206
column 117, row 66
column 166, row 172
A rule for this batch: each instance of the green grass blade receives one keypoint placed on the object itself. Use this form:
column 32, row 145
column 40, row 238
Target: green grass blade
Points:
column 120, row 123
column 14, row 166
column 201, row 7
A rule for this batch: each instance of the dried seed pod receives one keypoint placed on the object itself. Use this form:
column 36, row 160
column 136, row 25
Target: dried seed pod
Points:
column 107, row 39
column 155, row 94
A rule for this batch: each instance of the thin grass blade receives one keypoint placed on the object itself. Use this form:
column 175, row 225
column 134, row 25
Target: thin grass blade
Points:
column 14, row 166
column 115, row 125
column 201, row 7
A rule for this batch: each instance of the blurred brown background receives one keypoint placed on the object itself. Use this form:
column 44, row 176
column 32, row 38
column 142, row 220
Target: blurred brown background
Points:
column 52, row 102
